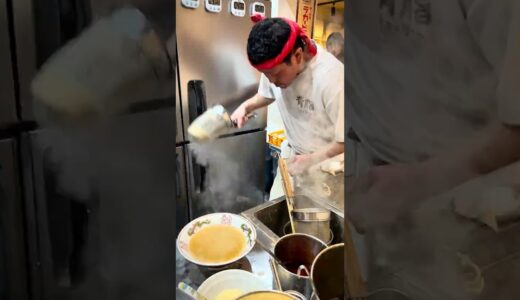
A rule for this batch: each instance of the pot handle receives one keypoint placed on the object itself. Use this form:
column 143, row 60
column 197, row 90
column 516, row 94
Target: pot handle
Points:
column 302, row 268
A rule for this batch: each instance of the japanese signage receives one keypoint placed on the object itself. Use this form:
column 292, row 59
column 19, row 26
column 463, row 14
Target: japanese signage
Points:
column 305, row 15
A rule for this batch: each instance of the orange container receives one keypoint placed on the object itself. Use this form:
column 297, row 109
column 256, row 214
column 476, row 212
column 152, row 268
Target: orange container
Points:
column 275, row 138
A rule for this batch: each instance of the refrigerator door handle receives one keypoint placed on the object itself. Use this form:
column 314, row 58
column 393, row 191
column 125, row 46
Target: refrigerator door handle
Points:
column 199, row 176
column 196, row 99
column 67, row 222
column 197, row 106
column 178, row 176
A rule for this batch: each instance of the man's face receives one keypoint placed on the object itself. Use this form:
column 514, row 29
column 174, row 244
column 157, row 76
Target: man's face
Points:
column 334, row 49
column 284, row 74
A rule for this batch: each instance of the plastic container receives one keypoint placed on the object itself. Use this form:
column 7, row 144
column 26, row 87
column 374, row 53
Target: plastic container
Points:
column 276, row 138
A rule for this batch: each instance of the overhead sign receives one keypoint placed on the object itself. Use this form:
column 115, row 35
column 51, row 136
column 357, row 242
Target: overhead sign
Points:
column 306, row 10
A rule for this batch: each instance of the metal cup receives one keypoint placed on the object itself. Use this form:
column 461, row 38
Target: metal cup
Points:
column 212, row 123
column 297, row 252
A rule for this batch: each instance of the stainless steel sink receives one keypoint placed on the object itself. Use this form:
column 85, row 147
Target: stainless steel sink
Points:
column 270, row 218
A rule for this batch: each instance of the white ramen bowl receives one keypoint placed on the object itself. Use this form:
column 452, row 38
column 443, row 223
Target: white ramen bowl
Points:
column 246, row 228
column 242, row 280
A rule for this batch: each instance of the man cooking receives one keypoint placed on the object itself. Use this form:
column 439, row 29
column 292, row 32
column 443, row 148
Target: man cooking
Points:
column 433, row 99
column 306, row 82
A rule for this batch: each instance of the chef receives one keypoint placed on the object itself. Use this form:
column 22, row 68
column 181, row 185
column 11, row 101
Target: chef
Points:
column 306, row 82
column 432, row 104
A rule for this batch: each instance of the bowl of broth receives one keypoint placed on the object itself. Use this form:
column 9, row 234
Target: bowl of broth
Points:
column 216, row 239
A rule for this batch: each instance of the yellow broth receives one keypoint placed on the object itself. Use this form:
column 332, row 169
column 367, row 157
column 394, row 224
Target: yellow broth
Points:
column 217, row 243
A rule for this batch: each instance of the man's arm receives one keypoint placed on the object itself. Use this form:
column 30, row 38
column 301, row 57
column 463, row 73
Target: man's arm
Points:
column 491, row 149
column 256, row 102
column 300, row 163
column 333, row 149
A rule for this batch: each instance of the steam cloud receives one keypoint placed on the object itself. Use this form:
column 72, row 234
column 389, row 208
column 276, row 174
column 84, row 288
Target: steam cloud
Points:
column 231, row 177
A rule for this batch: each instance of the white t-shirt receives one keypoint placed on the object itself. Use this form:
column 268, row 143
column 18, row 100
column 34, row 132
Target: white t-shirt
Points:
column 310, row 106
column 424, row 75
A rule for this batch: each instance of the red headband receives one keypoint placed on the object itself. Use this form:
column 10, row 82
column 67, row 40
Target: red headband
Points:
column 289, row 45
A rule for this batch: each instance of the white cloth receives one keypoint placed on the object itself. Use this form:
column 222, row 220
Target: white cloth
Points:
column 310, row 106
column 424, row 75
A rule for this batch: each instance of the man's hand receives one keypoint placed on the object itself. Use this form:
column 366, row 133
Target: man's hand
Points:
column 239, row 116
column 300, row 163
column 387, row 193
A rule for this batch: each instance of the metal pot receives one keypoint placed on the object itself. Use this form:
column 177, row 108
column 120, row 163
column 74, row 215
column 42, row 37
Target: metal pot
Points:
column 327, row 273
column 287, row 230
column 212, row 123
column 209, row 125
column 313, row 221
column 294, row 251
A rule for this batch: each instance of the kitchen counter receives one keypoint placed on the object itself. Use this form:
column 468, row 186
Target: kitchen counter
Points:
column 309, row 186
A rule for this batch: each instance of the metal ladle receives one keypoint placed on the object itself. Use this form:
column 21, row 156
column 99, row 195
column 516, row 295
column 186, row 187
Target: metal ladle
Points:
column 266, row 249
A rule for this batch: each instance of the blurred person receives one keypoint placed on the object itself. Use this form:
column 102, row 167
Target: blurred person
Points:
column 335, row 44
column 433, row 100
column 293, row 75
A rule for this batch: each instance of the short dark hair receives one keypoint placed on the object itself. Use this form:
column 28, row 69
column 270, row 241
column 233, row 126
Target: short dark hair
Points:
column 267, row 38
column 335, row 38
